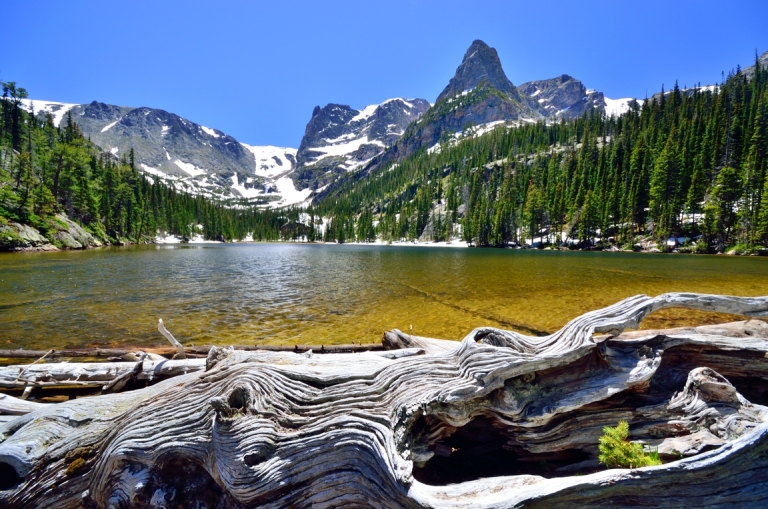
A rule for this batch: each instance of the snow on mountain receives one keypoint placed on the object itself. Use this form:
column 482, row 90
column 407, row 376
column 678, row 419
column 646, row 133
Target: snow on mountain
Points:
column 274, row 165
column 272, row 161
column 339, row 139
column 188, row 156
column 56, row 109
column 617, row 107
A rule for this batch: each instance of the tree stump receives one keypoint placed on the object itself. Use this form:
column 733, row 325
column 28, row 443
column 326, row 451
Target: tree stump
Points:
column 499, row 420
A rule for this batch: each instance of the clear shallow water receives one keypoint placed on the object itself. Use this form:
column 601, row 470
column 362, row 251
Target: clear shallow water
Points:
column 329, row 294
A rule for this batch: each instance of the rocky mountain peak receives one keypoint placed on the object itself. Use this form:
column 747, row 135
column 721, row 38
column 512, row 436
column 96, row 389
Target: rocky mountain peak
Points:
column 480, row 63
column 564, row 96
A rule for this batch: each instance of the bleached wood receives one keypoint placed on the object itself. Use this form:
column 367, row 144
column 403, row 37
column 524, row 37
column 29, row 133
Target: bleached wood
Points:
column 92, row 374
column 15, row 406
column 180, row 349
column 278, row 429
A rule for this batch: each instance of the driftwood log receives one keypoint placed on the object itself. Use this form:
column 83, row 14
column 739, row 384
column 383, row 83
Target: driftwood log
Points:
column 190, row 351
column 498, row 420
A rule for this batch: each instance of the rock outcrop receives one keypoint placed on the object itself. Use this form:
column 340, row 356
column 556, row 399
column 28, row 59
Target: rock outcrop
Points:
column 563, row 97
column 62, row 233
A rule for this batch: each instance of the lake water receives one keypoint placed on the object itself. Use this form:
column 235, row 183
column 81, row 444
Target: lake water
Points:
column 331, row 294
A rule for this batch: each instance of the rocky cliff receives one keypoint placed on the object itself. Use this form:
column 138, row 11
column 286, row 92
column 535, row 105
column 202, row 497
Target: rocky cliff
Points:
column 339, row 139
column 563, row 97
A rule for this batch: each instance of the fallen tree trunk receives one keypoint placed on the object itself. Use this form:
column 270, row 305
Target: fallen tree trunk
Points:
column 189, row 351
column 92, row 374
column 501, row 420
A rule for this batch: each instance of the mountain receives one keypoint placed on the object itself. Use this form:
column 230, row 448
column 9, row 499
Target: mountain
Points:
column 339, row 139
column 682, row 170
column 187, row 155
column 563, row 96
column 480, row 97
column 480, row 63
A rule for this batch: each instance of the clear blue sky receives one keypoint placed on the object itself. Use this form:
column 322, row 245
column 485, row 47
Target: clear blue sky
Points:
column 255, row 69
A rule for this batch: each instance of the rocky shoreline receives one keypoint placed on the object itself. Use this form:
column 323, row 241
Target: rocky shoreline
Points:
column 63, row 234
column 66, row 234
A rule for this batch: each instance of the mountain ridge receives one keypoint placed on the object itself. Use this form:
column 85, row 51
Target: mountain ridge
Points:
column 337, row 138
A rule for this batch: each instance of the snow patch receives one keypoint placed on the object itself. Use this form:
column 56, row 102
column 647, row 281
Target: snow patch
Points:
column 245, row 192
column 151, row 170
column 290, row 195
column 57, row 109
column 343, row 149
column 365, row 113
column 165, row 238
column 189, row 168
column 165, row 130
column 271, row 161
column 114, row 150
column 110, row 126
column 617, row 107
column 198, row 239
column 209, row 131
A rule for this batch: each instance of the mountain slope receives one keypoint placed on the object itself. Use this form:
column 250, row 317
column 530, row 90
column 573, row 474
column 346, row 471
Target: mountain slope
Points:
column 338, row 139
column 566, row 97
column 670, row 174
column 184, row 154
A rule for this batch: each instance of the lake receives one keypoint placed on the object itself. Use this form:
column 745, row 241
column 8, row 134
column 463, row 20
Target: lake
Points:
column 331, row 294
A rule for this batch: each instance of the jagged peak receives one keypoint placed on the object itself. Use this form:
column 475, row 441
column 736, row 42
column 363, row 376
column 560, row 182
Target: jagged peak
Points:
column 480, row 63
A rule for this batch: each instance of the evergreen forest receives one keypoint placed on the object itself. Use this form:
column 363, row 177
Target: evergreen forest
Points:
column 687, row 166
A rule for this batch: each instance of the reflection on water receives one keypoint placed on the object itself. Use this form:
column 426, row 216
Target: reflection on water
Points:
column 330, row 294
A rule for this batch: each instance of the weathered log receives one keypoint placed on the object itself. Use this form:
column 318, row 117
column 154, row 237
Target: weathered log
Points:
column 92, row 374
column 190, row 351
column 14, row 406
column 502, row 420
column 394, row 340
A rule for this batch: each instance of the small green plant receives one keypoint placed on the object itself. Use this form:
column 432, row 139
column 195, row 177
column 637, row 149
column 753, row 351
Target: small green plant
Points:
column 616, row 451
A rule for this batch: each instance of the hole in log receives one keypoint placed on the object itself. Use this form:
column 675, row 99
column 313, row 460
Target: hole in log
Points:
column 753, row 388
column 254, row 458
column 180, row 482
column 746, row 370
column 239, row 399
column 482, row 448
column 9, row 479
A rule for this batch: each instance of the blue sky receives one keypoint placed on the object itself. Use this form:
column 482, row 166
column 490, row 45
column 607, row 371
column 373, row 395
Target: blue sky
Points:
column 255, row 69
